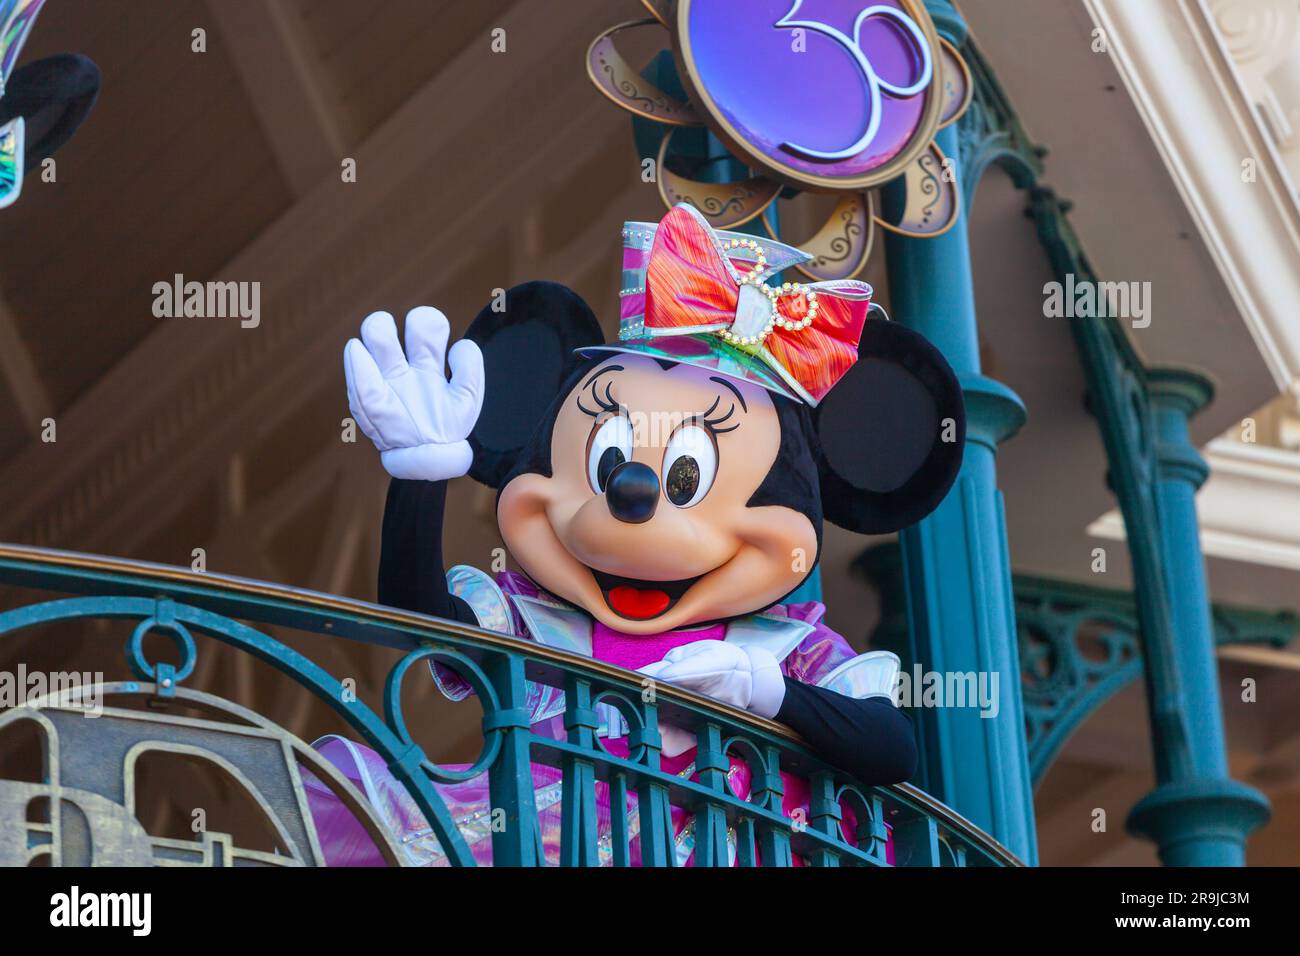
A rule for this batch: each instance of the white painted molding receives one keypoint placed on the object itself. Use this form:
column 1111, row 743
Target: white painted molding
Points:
column 1249, row 508
column 1263, row 39
column 1177, row 68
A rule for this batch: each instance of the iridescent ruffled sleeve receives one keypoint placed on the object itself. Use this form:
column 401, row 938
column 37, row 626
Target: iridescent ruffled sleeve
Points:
column 825, row 659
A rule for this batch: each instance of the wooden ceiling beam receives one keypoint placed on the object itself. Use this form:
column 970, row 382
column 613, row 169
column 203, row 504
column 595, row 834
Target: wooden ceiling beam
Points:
column 19, row 373
column 421, row 212
column 287, row 86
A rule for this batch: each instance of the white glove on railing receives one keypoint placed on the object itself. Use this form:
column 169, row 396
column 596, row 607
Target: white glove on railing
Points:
column 745, row 677
column 417, row 418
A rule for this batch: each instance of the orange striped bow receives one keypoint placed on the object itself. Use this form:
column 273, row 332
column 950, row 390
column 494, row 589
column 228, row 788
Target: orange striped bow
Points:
column 698, row 283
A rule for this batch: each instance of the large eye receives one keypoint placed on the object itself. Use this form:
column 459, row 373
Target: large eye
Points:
column 611, row 445
column 690, row 463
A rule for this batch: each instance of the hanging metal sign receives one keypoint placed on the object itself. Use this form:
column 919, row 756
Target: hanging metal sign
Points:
column 822, row 94
column 833, row 96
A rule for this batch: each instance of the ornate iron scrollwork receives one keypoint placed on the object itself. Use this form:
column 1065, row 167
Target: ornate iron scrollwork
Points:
column 1079, row 645
column 90, row 764
column 990, row 134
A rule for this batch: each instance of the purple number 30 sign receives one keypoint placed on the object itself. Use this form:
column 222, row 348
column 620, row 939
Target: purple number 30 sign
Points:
column 829, row 94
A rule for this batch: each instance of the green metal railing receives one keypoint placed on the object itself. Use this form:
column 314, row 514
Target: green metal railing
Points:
column 179, row 603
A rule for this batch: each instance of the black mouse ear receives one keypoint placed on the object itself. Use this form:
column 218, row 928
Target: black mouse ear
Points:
column 54, row 96
column 890, row 433
column 527, row 341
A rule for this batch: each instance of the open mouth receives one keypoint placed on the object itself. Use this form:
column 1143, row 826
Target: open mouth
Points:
column 637, row 599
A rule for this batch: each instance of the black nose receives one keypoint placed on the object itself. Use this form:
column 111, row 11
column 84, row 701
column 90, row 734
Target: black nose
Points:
column 632, row 492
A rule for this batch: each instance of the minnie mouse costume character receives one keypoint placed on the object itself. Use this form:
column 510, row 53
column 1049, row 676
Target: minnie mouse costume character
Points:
column 662, row 495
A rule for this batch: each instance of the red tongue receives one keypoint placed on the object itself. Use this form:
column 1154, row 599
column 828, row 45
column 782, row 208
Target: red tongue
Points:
column 636, row 603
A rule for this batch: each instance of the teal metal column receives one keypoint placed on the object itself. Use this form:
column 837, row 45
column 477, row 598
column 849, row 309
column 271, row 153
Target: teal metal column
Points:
column 1197, row 815
column 956, row 566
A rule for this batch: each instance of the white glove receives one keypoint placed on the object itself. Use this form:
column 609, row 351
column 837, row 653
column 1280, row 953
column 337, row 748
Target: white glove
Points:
column 745, row 677
column 417, row 419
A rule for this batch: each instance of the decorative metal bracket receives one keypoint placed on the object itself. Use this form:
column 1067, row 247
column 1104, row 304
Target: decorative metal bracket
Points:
column 990, row 133
column 1079, row 646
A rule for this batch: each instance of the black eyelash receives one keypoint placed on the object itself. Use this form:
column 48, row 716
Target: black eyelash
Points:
column 606, row 404
column 712, row 423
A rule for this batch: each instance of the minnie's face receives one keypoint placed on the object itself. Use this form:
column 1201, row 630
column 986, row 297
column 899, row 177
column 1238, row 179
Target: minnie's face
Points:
column 644, row 521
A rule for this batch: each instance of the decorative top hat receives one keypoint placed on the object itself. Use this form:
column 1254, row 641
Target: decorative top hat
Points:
column 42, row 104
column 701, row 297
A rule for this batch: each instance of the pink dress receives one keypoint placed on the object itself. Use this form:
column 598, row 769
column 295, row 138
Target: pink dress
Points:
column 807, row 649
